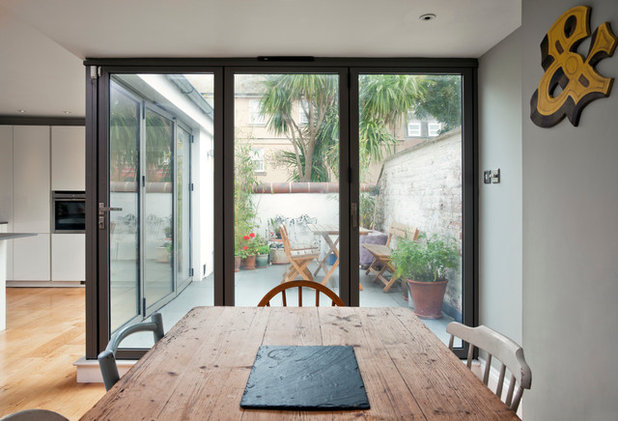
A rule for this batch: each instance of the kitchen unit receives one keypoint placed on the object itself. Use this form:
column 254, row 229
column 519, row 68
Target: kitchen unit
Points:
column 35, row 161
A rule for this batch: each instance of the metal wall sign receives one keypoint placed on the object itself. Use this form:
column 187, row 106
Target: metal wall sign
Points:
column 571, row 81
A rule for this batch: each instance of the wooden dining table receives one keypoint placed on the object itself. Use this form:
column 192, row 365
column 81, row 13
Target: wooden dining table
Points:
column 199, row 369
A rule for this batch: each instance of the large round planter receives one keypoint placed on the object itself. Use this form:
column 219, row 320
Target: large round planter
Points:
column 248, row 263
column 237, row 260
column 427, row 297
column 261, row 260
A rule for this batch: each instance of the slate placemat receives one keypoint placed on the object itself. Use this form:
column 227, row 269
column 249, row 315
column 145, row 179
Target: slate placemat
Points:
column 305, row 378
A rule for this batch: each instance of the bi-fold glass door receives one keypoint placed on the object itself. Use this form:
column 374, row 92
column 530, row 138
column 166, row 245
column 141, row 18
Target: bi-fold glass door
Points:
column 303, row 172
column 149, row 204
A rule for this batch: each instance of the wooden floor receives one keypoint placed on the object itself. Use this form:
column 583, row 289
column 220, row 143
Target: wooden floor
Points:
column 45, row 335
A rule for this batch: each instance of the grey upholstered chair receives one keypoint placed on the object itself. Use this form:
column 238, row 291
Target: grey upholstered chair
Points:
column 107, row 358
column 509, row 353
column 34, row 415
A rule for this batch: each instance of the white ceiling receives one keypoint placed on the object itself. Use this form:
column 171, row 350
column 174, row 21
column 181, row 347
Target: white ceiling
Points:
column 42, row 42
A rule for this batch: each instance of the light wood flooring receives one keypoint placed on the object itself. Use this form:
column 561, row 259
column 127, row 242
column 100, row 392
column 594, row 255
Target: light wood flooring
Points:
column 45, row 335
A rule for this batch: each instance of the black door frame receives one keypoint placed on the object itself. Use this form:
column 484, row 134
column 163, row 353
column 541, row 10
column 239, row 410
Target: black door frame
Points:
column 97, row 101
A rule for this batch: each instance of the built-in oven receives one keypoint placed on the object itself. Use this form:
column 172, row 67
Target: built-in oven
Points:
column 68, row 211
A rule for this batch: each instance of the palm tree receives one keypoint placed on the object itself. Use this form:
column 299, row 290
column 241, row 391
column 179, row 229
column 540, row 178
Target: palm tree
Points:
column 384, row 100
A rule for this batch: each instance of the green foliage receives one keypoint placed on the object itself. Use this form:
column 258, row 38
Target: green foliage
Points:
column 317, row 95
column 245, row 210
column 427, row 259
column 367, row 207
column 441, row 99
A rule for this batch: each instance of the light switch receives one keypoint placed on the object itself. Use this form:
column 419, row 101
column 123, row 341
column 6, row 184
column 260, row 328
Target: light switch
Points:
column 491, row 176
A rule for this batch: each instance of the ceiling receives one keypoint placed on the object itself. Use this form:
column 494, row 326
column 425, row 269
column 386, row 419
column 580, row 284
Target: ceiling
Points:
column 43, row 42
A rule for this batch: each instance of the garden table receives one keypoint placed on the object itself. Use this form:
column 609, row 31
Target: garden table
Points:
column 199, row 369
column 328, row 231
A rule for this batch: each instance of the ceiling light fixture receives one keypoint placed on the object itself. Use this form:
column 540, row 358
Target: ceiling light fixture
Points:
column 21, row 111
column 426, row 17
column 67, row 112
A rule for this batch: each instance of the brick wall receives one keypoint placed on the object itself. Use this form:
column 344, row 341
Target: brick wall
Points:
column 421, row 187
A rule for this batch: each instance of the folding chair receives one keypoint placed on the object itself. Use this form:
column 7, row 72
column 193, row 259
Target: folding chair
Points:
column 299, row 259
column 382, row 254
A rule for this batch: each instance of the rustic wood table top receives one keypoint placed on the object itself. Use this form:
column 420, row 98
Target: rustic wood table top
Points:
column 200, row 368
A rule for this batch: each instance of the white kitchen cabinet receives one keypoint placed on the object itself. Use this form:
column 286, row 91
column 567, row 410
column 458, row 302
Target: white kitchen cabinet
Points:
column 31, row 181
column 6, row 173
column 68, row 254
column 31, row 258
column 68, row 158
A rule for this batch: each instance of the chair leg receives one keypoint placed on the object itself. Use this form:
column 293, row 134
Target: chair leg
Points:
column 370, row 268
column 393, row 278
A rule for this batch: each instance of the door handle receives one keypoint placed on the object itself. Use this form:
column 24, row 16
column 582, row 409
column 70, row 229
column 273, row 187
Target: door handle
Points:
column 102, row 210
column 354, row 214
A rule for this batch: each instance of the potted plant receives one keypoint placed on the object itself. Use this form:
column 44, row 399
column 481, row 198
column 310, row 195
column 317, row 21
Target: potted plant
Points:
column 237, row 258
column 424, row 264
column 261, row 260
column 248, row 250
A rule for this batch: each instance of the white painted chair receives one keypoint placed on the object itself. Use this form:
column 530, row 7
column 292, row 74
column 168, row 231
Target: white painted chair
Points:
column 498, row 346
column 34, row 415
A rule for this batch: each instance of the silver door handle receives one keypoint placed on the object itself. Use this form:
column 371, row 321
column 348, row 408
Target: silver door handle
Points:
column 102, row 210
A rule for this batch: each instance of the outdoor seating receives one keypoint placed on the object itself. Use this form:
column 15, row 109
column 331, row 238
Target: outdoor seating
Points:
column 382, row 254
column 299, row 259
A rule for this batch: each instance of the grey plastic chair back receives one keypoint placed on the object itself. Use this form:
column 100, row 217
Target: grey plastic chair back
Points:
column 505, row 350
column 34, row 415
column 107, row 358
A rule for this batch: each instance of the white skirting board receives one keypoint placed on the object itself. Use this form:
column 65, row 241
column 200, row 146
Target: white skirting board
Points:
column 88, row 370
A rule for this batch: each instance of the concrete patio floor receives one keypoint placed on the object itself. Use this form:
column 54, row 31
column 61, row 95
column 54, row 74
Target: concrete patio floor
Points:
column 252, row 285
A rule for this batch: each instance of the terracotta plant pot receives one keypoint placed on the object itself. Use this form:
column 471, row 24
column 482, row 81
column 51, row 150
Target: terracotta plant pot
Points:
column 427, row 298
column 237, row 260
column 248, row 263
column 261, row 261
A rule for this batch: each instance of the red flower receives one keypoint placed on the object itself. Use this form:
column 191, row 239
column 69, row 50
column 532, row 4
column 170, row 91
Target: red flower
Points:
column 245, row 248
column 246, row 237
column 252, row 235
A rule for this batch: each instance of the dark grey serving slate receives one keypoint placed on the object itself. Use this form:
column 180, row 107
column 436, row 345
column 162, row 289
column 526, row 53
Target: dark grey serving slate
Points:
column 305, row 378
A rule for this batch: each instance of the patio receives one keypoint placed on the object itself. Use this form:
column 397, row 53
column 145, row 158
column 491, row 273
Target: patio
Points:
column 251, row 285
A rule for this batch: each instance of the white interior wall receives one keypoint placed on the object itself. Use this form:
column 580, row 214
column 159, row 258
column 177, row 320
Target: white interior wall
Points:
column 500, row 207
column 570, row 239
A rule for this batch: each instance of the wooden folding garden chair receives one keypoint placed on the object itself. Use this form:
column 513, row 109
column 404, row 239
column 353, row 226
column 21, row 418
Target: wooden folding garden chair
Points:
column 299, row 259
column 382, row 254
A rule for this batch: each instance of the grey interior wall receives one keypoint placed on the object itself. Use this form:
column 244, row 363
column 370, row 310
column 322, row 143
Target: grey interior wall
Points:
column 570, row 240
column 500, row 206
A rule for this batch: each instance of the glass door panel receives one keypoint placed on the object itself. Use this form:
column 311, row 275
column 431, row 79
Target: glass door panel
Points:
column 124, row 144
column 183, row 207
column 155, row 122
column 410, row 165
column 158, row 214
column 286, row 185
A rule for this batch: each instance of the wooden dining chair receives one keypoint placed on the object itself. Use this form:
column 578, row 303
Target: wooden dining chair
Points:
column 107, row 358
column 509, row 353
column 299, row 258
column 319, row 288
column 382, row 254
column 34, row 415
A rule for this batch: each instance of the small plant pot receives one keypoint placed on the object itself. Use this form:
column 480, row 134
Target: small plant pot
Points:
column 261, row 260
column 427, row 298
column 237, row 260
column 248, row 263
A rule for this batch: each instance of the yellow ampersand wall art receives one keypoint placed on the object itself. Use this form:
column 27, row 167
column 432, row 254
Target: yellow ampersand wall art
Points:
column 577, row 77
